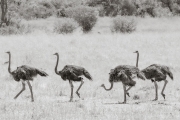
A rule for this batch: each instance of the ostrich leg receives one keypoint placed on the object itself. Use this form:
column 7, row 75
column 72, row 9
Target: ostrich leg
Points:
column 23, row 88
column 156, row 90
column 71, row 97
column 162, row 92
column 30, row 87
column 128, row 90
column 82, row 82
column 124, row 89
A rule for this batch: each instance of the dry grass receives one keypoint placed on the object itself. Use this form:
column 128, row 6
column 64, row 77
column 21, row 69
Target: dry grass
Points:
column 157, row 41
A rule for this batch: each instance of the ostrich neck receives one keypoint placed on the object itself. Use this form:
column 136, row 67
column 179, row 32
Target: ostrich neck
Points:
column 57, row 65
column 9, row 68
column 109, row 88
column 137, row 60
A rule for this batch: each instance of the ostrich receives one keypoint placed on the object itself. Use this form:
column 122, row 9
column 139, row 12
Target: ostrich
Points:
column 156, row 72
column 124, row 74
column 72, row 73
column 24, row 73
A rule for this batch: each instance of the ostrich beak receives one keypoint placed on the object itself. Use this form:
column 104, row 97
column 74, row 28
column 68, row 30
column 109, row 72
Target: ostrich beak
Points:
column 7, row 52
column 135, row 52
column 6, row 62
column 55, row 53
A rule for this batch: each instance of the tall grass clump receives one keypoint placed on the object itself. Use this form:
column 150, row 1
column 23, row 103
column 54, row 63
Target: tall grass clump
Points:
column 123, row 24
column 84, row 15
column 65, row 25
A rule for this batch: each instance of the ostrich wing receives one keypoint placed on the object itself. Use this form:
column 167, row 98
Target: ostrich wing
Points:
column 159, row 75
column 22, row 73
column 122, row 75
column 70, row 75
column 125, row 79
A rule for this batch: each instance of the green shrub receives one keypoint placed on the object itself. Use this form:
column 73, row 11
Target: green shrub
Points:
column 123, row 24
column 85, row 16
column 65, row 25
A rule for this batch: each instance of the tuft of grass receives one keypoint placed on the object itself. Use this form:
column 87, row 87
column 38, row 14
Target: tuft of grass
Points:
column 136, row 97
column 80, row 105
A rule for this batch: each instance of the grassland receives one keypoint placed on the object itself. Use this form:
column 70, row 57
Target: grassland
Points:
column 156, row 39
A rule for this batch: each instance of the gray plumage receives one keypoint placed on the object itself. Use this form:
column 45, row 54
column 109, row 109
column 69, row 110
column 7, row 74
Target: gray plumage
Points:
column 72, row 73
column 25, row 72
column 158, row 72
column 124, row 74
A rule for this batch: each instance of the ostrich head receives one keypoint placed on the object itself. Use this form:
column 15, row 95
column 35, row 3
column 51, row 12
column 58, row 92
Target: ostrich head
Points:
column 8, row 52
column 136, row 52
column 55, row 54
column 102, row 85
column 6, row 62
column 111, row 77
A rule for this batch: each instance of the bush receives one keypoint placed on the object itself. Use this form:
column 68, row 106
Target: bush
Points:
column 40, row 9
column 128, row 8
column 162, row 12
column 65, row 25
column 85, row 16
column 15, row 27
column 148, row 7
column 123, row 24
column 57, row 3
column 176, row 9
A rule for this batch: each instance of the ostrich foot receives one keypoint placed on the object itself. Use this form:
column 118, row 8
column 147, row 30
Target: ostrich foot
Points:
column 32, row 100
column 78, row 94
column 127, row 94
column 155, row 99
column 71, row 100
column 163, row 95
column 122, row 102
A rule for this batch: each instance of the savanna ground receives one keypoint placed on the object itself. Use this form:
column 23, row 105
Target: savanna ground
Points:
column 157, row 40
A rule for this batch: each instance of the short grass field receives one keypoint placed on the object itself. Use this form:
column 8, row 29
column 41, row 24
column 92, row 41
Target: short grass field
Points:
column 156, row 39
